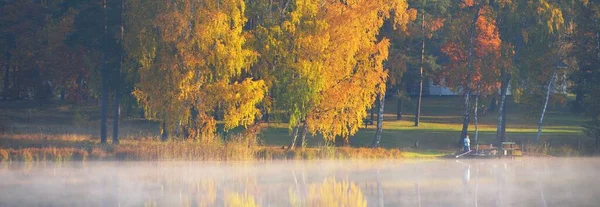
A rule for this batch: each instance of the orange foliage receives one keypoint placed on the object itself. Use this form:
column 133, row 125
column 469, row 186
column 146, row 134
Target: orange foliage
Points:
column 467, row 3
column 488, row 57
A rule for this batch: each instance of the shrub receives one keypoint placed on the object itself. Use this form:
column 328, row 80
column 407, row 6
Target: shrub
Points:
column 97, row 153
column 25, row 155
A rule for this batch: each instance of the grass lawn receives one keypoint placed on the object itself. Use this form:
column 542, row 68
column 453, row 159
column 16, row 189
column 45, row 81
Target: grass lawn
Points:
column 441, row 124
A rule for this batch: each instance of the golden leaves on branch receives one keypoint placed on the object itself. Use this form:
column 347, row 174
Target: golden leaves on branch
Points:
column 201, row 54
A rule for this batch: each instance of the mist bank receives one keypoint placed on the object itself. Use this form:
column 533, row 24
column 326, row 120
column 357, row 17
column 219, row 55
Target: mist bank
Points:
column 521, row 182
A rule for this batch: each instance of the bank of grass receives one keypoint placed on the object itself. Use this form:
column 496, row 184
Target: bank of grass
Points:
column 150, row 150
column 43, row 154
column 36, row 147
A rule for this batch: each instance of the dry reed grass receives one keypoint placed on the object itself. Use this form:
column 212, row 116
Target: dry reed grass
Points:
column 43, row 154
column 40, row 147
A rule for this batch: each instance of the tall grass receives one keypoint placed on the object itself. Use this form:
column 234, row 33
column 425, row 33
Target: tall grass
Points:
column 183, row 150
column 66, row 148
column 324, row 152
column 43, row 154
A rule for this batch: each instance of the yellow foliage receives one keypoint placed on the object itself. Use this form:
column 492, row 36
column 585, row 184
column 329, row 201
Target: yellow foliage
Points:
column 352, row 73
column 333, row 193
column 239, row 102
column 191, row 70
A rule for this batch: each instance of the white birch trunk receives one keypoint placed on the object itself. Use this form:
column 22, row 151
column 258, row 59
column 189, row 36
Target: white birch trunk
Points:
column 377, row 139
column 469, row 74
column 418, row 112
column 293, row 144
column 503, row 91
column 548, row 90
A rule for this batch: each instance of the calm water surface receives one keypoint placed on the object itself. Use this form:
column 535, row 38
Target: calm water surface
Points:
column 520, row 182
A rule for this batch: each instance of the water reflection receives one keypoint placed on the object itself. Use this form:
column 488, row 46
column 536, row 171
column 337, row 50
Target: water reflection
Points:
column 527, row 182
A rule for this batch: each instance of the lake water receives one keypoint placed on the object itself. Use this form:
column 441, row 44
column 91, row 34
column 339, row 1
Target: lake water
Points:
column 494, row 182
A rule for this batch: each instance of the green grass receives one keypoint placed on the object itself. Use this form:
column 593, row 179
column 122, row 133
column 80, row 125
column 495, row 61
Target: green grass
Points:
column 424, row 154
column 441, row 124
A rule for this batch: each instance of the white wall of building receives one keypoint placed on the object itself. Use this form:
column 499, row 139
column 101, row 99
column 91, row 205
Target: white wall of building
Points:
column 441, row 90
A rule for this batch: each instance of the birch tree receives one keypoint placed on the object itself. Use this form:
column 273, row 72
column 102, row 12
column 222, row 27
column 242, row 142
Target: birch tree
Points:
column 195, row 65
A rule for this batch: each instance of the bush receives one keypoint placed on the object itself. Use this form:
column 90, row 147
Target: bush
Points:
column 43, row 154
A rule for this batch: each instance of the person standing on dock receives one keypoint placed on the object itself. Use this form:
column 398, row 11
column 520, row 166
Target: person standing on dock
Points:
column 467, row 143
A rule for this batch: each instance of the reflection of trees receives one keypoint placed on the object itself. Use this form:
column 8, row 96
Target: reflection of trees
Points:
column 201, row 193
column 333, row 193
column 240, row 200
column 206, row 193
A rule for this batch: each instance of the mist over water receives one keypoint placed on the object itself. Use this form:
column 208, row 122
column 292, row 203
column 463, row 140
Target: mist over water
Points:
column 494, row 182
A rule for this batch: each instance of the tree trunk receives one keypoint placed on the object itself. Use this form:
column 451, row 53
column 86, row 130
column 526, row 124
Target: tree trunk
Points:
column 62, row 94
column 165, row 134
column 143, row 113
column 266, row 116
column 504, row 119
column 467, row 86
column 193, row 126
column 500, row 132
column 380, row 105
column 117, row 106
column 104, row 90
column 399, row 109
column 418, row 112
column 597, row 38
column 6, row 73
column 116, row 116
column 579, row 93
column 493, row 103
column 303, row 136
column 293, row 144
column 548, row 89
column 475, row 114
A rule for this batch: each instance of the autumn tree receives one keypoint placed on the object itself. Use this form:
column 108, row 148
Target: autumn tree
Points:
column 62, row 63
column 20, row 24
column 355, row 72
column 419, row 40
column 435, row 13
column 466, row 56
column 195, row 66
column 535, row 29
column 324, row 64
